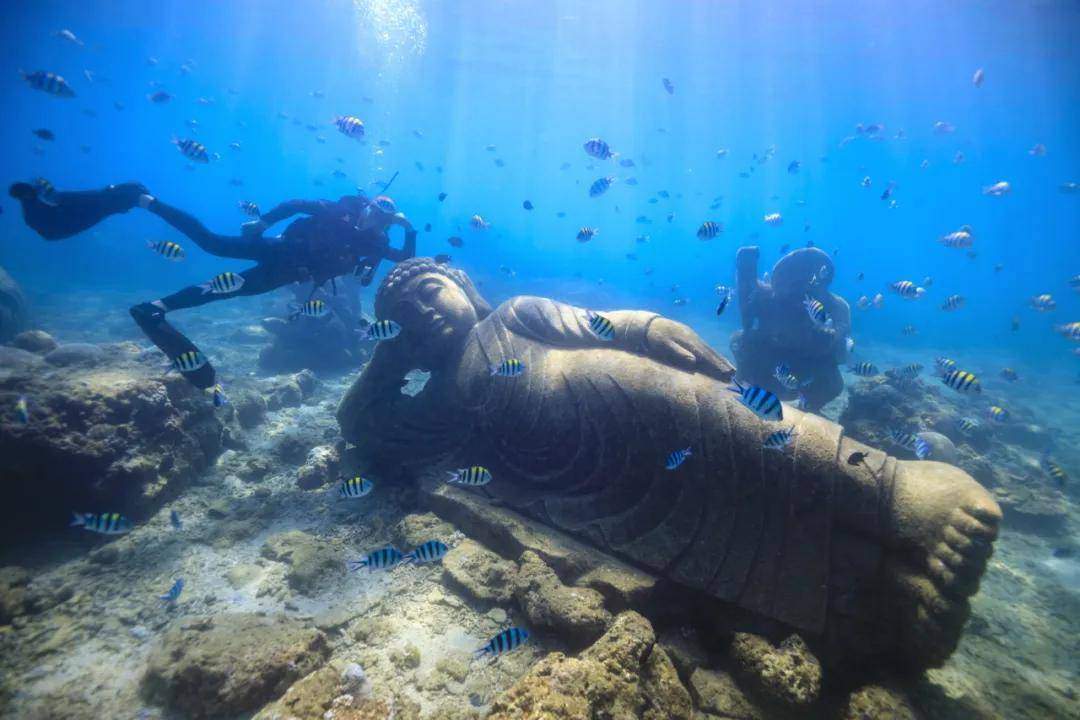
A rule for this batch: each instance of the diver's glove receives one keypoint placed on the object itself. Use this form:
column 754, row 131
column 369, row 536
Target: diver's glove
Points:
column 254, row 227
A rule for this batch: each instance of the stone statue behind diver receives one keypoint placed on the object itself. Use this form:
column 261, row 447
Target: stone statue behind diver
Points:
column 875, row 557
column 777, row 329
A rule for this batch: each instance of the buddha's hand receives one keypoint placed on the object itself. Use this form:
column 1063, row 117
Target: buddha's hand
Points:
column 675, row 344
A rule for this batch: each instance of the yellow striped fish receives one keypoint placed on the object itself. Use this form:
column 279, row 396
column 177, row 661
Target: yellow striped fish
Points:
column 601, row 326
column 1069, row 330
column 961, row 381
column 166, row 249
column 997, row 414
column 1051, row 468
column 475, row 475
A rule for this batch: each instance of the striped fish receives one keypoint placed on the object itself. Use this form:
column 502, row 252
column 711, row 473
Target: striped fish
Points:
column 479, row 223
column 1044, row 302
column 907, row 289
column 863, row 369
column 586, row 233
column 675, row 458
column 189, row 361
column 816, row 310
column 511, row 367
column 220, row 399
column 597, row 148
column 945, row 364
column 709, row 230
column 911, row 370
column 968, row 425
column 764, row 403
column 1069, row 330
column 249, row 208
column 223, row 284
column 475, row 476
column 173, row 593
column 1009, row 374
column 600, row 186
column 953, row 302
column 959, row 239
column 355, row 487
column 601, row 326
column 910, row 441
column 48, row 82
column 504, row 642
column 45, row 191
column 429, row 551
column 381, row 559
column 997, row 414
column 383, row 330
column 104, row 523
column 779, row 439
column 1051, row 468
column 167, row 249
column 788, row 379
column 312, row 309
column 192, row 150
column 961, row 381
column 350, row 126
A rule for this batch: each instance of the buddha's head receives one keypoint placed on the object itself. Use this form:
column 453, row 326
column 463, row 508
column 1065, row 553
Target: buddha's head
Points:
column 436, row 306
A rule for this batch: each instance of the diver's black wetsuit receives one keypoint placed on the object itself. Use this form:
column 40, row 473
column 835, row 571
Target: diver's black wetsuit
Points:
column 325, row 244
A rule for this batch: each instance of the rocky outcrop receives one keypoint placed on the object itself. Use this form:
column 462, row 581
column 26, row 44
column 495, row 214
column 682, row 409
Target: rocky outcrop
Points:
column 787, row 675
column 575, row 614
column 624, row 675
column 230, row 664
column 329, row 343
column 13, row 310
column 310, row 560
column 479, row 573
column 35, row 341
column 107, row 431
column 321, row 467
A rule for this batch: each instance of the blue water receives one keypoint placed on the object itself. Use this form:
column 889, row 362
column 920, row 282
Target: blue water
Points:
column 536, row 80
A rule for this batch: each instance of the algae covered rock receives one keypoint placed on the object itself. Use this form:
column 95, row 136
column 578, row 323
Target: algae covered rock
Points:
column 787, row 674
column 625, row 674
column 13, row 309
column 576, row 615
column 230, row 664
column 320, row 468
column 877, row 702
column 35, row 341
column 717, row 696
column 479, row 573
column 310, row 559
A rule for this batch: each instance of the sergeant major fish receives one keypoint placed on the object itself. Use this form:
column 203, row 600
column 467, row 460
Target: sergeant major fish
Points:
column 103, row 523
column 816, row 310
column 189, row 361
column 863, row 369
column 511, row 367
column 166, row 249
column 383, row 330
column 428, row 551
column 507, row 640
column 599, row 149
column 249, row 208
column 223, row 284
column 350, row 126
column 763, row 403
column 675, row 458
column 381, row 559
column 907, row 289
column 48, row 82
column 961, row 381
column 601, row 186
column 354, row 487
column 601, row 326
column 472, row 476
column 586, row 233
column 779, row 439
column 709, row 230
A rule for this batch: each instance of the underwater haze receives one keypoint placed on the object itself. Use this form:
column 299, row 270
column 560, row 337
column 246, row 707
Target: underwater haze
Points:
column 613, row 154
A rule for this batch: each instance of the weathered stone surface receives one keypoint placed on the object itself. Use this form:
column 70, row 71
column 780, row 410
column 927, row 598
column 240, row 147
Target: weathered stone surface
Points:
column 417, row 528
column 291, row 390
column 877, row 702
column 13, row 309
column 70, row 354
column 787, row 674
column 250, row 408
column 230, row 664
column 120, row 436
column 575, row 615
column 327, row 343
column 845, row 552
column 321, row 467
column 310, row 559
column 623, row 675
column 479, row 573
column 35, row 341
column 308, row 698
column 717, row 696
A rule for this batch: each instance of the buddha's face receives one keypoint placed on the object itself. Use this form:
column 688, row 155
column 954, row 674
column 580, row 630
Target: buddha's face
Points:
column 435, row 315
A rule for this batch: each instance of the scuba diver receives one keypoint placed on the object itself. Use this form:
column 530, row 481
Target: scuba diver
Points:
column 333, row 239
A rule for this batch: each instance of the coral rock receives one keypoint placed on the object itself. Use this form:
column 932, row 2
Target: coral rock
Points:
column 12, row 307
column 787, row 674
column 625, row 674
column 310, row 559
column 479, row 573
column 717, row 696
column 576, row 615
column 875, row 702
column 230, row 664
column 320, row 468
column 35, row 341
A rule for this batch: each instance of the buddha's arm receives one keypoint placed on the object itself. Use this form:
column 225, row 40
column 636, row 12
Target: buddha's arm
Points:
column 376, row 395
column 636, row 331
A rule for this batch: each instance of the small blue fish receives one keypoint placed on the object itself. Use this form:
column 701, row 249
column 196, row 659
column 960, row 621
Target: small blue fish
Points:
column 597, row 148
column 764, row 403
column 103, row 523
column 600, row 186
column 601, row 326
column 174, row 592
column 779, row 439
column 383, row 330
column 504, row 642
column 381, row 559
column 669, row 86
column 475, row 476
column 676, row 458
column 175, row 521
column 355, row 487
column 22, row 411
column 220, row 398
column 429, row 551
column 793, row 167
column 511, row 367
